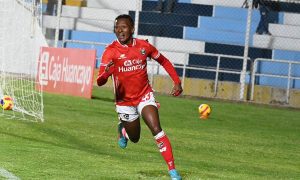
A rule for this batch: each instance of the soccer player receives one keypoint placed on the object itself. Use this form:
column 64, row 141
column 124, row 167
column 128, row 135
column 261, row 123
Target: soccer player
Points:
column 126, row 60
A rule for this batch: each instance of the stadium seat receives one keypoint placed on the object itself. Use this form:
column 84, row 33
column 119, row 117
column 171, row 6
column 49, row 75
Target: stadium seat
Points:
column 224, row 24
column 160, row 30
column 168, row 19
column 235, row 13
column 287, row 55
column 101, row 37
column 175, row 44
column 276, row 42
column 182, row 8
column 210, row 62
column 214, row 35
column 87, row 36
column 292, row 56
column 78, row 24
column 235, row 3
column 285, row 30
column 292, row 7
column 227, row 26
column 91, row 13
column 217, row 48
column 113, row 4
column 273, row 69
column 291, row 19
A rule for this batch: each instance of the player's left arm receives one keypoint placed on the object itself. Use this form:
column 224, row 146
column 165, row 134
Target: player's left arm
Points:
column 162, row 60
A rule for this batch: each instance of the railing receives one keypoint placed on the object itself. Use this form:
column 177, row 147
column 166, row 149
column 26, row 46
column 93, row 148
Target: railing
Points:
column 289, row 76
column 217, row 69
column 64, row 41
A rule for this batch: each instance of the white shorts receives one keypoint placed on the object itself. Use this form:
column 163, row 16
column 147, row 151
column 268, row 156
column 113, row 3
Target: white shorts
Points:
column 131, row 113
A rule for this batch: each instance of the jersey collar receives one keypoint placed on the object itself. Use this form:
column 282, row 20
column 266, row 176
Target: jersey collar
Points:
column 130, row 45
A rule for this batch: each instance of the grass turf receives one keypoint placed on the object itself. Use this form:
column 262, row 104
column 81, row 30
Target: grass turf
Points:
column 78, row 140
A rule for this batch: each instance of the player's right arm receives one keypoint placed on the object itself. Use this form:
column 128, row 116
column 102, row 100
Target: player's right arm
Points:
column 106, row 67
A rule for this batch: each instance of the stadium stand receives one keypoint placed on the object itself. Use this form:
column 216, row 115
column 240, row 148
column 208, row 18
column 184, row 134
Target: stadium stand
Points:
column 195, row 27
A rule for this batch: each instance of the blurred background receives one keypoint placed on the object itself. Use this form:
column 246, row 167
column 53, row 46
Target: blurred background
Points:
column 230, row 49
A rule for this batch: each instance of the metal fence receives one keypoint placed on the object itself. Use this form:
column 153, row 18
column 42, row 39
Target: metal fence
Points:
column 289, row 76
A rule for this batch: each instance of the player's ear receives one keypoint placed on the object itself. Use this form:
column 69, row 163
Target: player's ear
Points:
column 132, row 30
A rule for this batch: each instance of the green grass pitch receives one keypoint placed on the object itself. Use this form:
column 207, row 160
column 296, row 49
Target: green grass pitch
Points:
column 78, row 140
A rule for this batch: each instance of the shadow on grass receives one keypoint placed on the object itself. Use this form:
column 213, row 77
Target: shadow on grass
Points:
column 152, row 173
column 160, row 174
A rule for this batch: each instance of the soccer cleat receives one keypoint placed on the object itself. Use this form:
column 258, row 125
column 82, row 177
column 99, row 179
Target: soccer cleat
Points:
column 122, row 139
column 174, row 175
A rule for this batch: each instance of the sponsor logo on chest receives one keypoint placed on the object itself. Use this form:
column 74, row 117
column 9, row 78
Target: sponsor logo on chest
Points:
column 131, row 65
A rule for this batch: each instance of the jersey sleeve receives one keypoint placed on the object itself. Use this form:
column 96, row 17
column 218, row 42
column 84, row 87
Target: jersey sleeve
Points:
column 102, row 74
column 163, row 61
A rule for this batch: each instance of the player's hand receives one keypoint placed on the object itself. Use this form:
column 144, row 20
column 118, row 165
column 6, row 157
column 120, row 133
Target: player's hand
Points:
column 177, row 90
column 111, row 63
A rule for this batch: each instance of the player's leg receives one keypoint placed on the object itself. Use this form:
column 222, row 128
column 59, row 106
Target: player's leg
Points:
column 133, row 130
column 150, row 115
column 129, row 126
column 151, row 118
column 149, row 112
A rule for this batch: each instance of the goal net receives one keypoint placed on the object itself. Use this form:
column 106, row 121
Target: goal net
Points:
column 20, row 41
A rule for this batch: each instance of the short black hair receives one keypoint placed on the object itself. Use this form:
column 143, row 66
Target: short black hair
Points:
column 126, row 16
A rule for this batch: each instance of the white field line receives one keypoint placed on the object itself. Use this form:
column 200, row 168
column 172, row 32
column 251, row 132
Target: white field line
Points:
column 6, row 174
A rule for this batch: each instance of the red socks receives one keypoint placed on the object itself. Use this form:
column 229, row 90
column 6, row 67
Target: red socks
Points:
column 165, row 149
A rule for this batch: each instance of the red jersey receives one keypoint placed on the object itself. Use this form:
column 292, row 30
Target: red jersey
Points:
column 129, row 71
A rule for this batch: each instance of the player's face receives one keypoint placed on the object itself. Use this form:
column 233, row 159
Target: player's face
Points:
column 124, row 31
